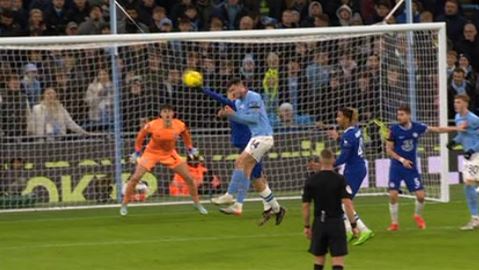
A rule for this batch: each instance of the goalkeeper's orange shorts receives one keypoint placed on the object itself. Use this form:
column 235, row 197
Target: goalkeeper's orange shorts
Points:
column 149, row 160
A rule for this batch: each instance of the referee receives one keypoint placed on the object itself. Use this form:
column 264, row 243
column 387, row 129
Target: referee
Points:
column 328, row 190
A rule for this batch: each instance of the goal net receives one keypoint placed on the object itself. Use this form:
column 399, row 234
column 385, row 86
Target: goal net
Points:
column 71, row 107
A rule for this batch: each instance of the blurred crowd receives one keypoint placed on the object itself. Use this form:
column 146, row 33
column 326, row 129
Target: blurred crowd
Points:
column 53, row 92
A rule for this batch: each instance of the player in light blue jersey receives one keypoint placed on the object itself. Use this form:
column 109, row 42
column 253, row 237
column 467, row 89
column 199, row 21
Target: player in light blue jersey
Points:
column 402, row 148
column 251, row 111
column 240, row 136
column 352, row 157
column 469, row 139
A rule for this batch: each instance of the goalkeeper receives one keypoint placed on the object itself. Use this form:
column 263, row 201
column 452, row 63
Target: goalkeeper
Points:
column 240, row 136
column 161, row 149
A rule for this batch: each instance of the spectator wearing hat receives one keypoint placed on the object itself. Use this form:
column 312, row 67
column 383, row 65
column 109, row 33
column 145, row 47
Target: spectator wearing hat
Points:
column 92, row 26
column 469, row 44
column 314, row 9
column 249, row 72
column 454, row 20
column 71, row 29
column 31, row 85
column 79, row 11
column 346, row 17
column 55, row 17
column 8, row 26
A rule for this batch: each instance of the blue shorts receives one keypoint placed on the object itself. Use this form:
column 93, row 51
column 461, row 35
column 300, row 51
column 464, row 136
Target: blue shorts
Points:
column 411, row 177
column 354, row 178
column 258, row 168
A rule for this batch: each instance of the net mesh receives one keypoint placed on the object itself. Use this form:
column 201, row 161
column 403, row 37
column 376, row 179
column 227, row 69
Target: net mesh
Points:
column 57, row 142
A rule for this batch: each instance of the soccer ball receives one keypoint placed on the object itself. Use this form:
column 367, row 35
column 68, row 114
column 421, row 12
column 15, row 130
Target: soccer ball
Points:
column 192, row 78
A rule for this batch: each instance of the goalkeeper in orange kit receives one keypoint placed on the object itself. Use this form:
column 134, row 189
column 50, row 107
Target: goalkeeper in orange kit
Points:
column 161, row 149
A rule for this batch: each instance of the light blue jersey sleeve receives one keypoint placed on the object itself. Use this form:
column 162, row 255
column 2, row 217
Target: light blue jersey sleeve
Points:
column 469, row 138
column 250, row 115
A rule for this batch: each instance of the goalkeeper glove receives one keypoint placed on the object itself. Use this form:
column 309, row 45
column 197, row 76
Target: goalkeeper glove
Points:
column 450, row 145
column 193, row 153
column 134, row 157
column 468, row 154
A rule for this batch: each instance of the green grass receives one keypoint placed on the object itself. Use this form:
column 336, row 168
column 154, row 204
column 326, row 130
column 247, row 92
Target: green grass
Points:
column 176, row 237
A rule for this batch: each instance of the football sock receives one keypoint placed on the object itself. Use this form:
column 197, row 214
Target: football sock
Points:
column 393, row 211
column 267, row 195
column 419, row 208
column 347, row 223
column 471, row 199
column 338, row 267
column 318, row 267
column 236, row 177
column 242, row 188
column 361, row 226
column 266, row 205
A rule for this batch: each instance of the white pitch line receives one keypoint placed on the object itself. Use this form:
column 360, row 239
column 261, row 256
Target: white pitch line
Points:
column 136, row 242
column 184, row 211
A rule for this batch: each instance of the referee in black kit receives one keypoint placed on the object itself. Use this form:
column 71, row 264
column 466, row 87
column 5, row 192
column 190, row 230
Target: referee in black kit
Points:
column 328, row 190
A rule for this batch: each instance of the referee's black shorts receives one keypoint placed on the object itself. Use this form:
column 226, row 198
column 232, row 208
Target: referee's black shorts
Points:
column 329, row 236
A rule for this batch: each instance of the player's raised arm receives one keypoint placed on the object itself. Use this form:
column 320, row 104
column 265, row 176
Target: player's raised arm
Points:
column 218, row 97
column 445, row 129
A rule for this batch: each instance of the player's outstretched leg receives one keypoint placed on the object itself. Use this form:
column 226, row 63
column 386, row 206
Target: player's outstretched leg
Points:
column 419, row 207
column 182, row 170
column 394, row 210
column 471, row 199
column 130, row 188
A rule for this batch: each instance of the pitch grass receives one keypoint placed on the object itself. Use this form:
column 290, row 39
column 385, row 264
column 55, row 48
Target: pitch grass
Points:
column 176, row 237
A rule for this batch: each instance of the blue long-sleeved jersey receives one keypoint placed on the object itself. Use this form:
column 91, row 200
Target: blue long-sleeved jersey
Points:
column 240, row 133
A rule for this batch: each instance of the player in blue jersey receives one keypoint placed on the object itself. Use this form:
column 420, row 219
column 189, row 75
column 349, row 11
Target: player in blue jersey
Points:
column 240, row 136
column 251, row 111
column 352, row 157
column 402, row 148
column 469, row 139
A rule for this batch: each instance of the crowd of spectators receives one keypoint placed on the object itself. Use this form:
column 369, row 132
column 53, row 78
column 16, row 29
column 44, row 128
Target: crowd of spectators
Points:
column 300, row 81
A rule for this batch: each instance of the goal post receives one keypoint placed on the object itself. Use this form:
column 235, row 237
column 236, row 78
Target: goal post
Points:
column 70, row 111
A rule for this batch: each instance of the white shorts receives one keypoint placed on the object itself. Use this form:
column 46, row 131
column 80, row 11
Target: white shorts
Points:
column 258, row 146
column 471, row 168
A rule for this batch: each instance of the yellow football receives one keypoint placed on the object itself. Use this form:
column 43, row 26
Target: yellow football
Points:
column 192, row 78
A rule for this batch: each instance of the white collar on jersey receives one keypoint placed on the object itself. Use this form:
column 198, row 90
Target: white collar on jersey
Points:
column 407, row 127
